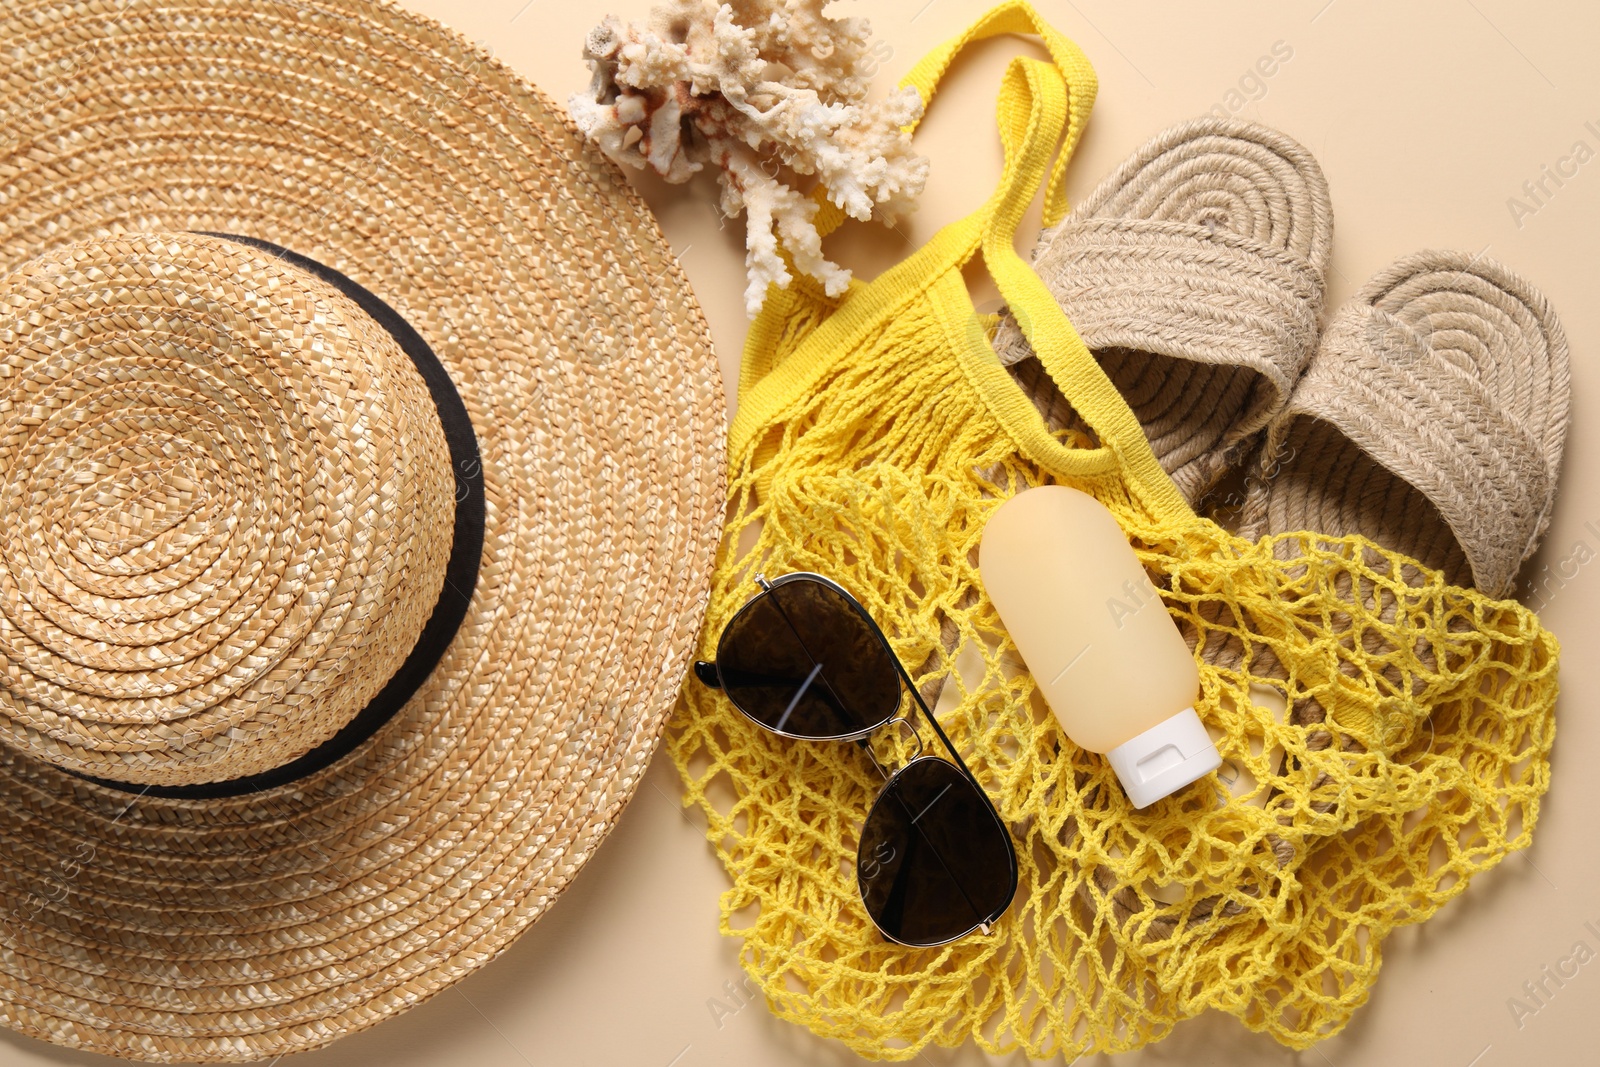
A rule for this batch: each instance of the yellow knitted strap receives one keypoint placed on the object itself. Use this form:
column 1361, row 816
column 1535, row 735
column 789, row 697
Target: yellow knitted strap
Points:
column 1014, row 17
column 1033, row 103
column 768, row 387
column 1073, row 66
column 1032, row 116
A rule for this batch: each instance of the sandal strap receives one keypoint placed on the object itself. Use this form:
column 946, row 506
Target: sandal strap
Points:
column 1431, row 423
column 1183, row 291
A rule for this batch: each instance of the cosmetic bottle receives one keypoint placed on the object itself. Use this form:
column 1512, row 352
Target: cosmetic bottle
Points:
column 1097, row 639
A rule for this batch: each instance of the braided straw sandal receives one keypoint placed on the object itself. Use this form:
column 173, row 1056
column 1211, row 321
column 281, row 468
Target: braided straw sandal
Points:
column 1195, row 272
column 1431, row 421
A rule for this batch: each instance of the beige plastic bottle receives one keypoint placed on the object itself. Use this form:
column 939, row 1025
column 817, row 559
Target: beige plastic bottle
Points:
column 1096, row 638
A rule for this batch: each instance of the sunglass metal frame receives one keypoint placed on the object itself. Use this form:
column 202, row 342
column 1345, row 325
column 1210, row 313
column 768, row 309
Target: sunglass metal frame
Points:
column 859, row 737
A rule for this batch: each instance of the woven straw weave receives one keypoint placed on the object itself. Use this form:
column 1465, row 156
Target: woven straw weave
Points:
column 874, row 437
column 1195, row 272
column 1433, row 418
column 391, row 150
column 181, row 597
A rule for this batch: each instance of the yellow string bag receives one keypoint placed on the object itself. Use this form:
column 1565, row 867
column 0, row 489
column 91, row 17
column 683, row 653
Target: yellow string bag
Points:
column 875, row 434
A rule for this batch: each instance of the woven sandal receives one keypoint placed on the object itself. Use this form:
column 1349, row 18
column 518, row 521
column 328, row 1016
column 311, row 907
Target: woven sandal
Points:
column 1195, row 273
column 1431, row 421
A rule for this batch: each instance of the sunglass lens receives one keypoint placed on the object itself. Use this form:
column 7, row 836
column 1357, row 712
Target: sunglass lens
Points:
column 935, row 863
column 802, row 660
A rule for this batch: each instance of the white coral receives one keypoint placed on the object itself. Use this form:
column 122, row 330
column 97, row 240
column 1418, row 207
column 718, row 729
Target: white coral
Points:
column 763, row 90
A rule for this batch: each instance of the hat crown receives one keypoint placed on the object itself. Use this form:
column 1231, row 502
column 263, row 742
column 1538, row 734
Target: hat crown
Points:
column 229, row 509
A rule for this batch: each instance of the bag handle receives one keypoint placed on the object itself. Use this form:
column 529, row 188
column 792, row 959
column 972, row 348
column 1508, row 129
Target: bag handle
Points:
column 1071, row 66
column 1041, row 106
column 1014, row 16
column 1033, row 113
column 767, row 382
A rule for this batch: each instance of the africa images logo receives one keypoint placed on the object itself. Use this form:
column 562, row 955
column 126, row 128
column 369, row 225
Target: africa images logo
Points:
column 1552, row 978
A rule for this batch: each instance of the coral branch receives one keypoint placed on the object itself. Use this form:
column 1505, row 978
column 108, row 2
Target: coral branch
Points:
column 764, row 91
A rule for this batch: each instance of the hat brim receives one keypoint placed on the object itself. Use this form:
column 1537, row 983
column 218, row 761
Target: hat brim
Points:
column 385, row 146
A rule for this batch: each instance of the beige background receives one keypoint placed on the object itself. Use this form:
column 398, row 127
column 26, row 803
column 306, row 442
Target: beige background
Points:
column 1427, row 119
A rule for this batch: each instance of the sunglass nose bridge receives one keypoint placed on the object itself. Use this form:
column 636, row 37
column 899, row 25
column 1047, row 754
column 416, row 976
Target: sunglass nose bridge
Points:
column 910, row 728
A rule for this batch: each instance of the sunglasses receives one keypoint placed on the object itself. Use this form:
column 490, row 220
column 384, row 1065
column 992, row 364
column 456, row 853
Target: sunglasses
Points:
column 805, row 660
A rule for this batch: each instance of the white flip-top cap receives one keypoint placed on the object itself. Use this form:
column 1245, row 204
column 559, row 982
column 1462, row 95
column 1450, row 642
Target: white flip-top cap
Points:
column 1165, row 758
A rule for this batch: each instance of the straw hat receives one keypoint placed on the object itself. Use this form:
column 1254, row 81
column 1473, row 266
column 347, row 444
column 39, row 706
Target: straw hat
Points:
column 360, row 460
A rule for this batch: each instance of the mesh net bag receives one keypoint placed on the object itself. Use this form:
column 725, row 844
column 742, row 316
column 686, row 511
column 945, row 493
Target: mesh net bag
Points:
column 1385, row 735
